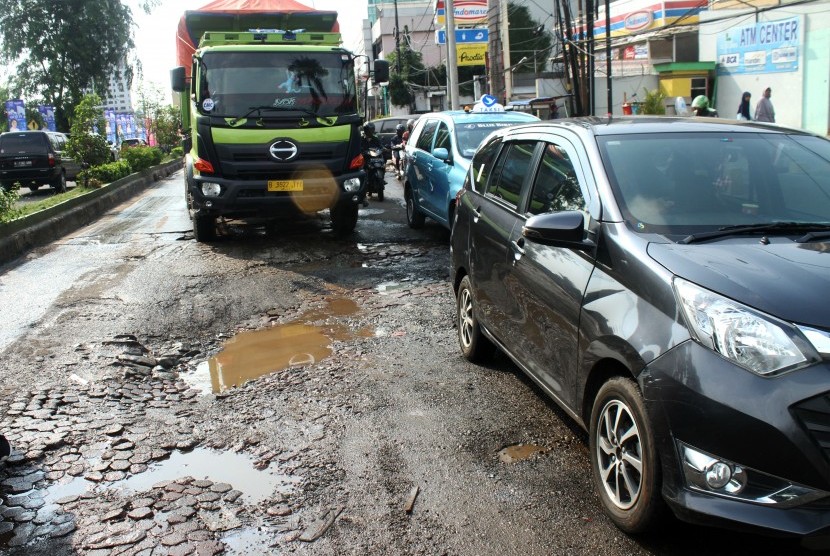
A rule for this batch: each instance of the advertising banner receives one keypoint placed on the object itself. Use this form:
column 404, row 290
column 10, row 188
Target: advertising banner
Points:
column 466, row 12
column 766, row 47
column 131, row 126
column 463, row 36
column 109, row 117
column 16, row 113
column 472, row 54
column 48, row 113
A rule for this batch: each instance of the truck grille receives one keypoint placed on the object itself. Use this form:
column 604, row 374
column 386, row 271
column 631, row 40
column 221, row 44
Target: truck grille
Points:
column 814, row 415
column 264, row 157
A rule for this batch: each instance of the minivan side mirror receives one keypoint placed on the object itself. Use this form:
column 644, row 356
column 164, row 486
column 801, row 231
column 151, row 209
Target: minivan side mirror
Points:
column 442, row 154
column 177, row 79
column 561, row 229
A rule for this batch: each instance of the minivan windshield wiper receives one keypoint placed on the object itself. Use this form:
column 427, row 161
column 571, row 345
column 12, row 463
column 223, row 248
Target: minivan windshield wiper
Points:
column 762, row 227
column 268, row 108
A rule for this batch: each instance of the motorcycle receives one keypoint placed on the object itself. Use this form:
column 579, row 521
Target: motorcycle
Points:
column 375, row 167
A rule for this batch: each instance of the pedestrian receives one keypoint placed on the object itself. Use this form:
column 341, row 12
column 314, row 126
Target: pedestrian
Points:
column 764, row 112
column 743, row 107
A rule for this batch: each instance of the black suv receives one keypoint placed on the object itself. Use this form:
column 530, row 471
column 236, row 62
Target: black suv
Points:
column 35, row 158
column 662, row 280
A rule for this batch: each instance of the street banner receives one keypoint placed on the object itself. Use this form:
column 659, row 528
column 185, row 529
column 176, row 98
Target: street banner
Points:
column 471, row 54
column 766, row 47
column 466, row 12
column 48, row 113
column 131, row 126
column 109, row 116
column 16, row 114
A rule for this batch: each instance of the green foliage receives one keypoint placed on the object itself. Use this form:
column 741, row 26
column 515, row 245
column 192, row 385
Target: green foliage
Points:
column 177, row 152
column 8, row 199
column 654, row 102
column 527, row 40
column 399, row 92
column 106, row 173
column 57, row 49
column 140, row 158
column 84, row 144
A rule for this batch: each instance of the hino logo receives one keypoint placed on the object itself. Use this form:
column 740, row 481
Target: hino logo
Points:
column 284, row 150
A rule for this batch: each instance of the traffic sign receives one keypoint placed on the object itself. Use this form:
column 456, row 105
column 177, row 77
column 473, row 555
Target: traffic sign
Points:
column 464, row 36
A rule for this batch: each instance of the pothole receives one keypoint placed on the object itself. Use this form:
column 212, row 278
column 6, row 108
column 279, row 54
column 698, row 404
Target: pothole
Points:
column 519, row 452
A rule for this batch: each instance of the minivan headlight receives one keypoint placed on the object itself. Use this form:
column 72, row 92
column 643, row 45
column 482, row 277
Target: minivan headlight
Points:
column 757, row 342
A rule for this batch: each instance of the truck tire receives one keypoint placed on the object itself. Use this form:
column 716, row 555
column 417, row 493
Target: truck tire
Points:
column 344, row 218
column 204, row 228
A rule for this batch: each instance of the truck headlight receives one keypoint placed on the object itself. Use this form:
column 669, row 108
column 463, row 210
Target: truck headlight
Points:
column 210, row 189
column 351, row 185
column 757, row 342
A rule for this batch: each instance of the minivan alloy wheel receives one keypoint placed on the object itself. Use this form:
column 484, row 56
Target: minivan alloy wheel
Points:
column 619, row 454
column 474, row 345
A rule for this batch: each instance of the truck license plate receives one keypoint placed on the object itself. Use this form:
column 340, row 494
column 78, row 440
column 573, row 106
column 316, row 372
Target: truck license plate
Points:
column 285, row 185
column 22, row 163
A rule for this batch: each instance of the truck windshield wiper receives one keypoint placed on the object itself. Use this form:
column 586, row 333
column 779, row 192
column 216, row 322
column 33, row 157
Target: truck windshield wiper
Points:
column 268, row 108
column 778, row 227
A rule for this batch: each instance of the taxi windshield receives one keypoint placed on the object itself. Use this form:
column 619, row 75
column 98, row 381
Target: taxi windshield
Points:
column 469, row 135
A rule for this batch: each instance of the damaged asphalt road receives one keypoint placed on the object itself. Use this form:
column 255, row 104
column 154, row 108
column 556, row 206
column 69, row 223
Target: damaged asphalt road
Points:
column 280, row 392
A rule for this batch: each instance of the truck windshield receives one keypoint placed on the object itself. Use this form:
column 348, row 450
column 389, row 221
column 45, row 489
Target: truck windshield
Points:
column 231, row 83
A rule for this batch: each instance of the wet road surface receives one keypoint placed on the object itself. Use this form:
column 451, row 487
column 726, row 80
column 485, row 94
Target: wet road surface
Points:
column 276, row 392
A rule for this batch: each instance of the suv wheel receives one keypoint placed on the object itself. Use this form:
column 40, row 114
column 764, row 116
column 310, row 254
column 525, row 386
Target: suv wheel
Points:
column 60, row 183
column 414, row 218
column 204, row 228
column 344, row 218
column 474, row 345
column 34, row 188
column 623, row 457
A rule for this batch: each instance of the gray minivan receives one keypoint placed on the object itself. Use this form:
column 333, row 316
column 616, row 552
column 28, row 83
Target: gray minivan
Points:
column 36, row 158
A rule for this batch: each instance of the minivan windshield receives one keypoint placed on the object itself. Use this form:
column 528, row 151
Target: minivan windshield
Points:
column 685, row 183
column 234, row 83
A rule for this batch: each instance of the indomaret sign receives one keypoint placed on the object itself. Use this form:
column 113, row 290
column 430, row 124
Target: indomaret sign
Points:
column 467, row 12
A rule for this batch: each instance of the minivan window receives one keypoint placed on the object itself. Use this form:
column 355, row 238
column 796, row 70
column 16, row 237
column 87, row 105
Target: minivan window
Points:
column 514, row 166
column 442, row 137
column 34, row 143
column 556, row 186
column 482, row 164
column 425, row 139
column 682, row 183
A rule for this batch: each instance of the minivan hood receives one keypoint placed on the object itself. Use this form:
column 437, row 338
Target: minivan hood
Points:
column 785, row 279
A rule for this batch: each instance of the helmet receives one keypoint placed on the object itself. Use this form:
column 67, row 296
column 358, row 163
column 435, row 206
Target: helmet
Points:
column 410, row 123
column 700, row 103
column 369, row 128
column 400, row 128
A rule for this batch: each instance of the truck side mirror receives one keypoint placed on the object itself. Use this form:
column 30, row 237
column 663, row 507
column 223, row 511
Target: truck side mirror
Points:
column 381, row 73
column 177, row 79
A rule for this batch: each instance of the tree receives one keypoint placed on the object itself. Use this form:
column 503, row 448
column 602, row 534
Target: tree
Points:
column 411, row 70
column 60, row 49
column 528, row 39
column 84, row 144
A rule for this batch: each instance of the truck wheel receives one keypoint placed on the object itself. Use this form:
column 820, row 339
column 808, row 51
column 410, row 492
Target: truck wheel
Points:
column 414, row 218
column 60, row 183
column 204, row 228
column 34, row 188
column 380, row 193
column 344, row 218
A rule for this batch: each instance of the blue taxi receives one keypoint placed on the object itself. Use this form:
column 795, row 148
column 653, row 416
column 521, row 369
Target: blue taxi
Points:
column 439, row 152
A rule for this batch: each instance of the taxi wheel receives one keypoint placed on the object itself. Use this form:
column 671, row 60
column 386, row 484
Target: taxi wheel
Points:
column 414, row 218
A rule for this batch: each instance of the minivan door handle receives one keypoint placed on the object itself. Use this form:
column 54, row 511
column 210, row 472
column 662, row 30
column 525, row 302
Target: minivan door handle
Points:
column 518, row 249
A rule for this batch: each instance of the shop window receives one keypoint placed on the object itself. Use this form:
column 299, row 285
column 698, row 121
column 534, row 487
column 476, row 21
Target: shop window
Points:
column 699, row 87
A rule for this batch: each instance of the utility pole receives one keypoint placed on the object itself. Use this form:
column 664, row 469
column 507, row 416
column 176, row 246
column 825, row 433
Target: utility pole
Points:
column 452, row 67
column 397, row 41
column 608, row 55
column 504, row 31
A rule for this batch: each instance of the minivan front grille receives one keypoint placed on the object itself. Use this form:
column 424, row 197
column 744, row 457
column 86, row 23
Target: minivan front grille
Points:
column 814, row 416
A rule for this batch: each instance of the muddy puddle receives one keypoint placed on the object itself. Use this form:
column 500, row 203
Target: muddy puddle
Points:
column 519, row 452
column 304, row 341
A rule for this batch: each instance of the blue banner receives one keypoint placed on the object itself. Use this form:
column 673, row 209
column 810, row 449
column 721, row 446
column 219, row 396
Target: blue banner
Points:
column 767, row 47
column 16, row 114
column 48, row 113
column 109, row 117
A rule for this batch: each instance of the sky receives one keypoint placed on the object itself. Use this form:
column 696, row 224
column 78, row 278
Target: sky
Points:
column 155, row 34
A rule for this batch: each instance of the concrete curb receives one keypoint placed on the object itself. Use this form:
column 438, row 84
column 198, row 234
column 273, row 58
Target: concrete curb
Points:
column 19, row 236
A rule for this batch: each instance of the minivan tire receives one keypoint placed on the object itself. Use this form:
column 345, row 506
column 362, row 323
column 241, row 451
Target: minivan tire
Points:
column 619, row 411
column 474, row 345
column 413, row 217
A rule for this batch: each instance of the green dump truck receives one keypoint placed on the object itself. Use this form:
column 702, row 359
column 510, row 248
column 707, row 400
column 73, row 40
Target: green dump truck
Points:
column 270, row 121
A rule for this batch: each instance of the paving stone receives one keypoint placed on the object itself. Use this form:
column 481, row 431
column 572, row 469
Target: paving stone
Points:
column 120, row 465
column 112, row 515
column 173, row 539
column 175, row 487
column 184, row 549
column 140, row 513
column 232, row 496
column 138, row 468
column 76, row 470
column 63, row 529
column 279, row 510
column 200, row 535
column 142, row 502
column 5, row 527
column 131, row 537
column 202, row 484
column 221, row 487
column 16, row 485
column 60, row 519
column 209, row 497
column 94, row 476
column 171, row 496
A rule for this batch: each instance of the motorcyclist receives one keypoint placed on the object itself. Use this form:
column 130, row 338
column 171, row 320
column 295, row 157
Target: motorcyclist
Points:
column 700, row 107
column 410, row 123
column 397, row 144
column 369, row 140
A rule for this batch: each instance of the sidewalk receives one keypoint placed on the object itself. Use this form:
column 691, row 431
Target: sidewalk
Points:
column 38, row 229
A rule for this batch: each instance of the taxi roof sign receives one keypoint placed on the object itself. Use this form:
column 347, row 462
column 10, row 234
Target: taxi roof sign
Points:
column 488, row 103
